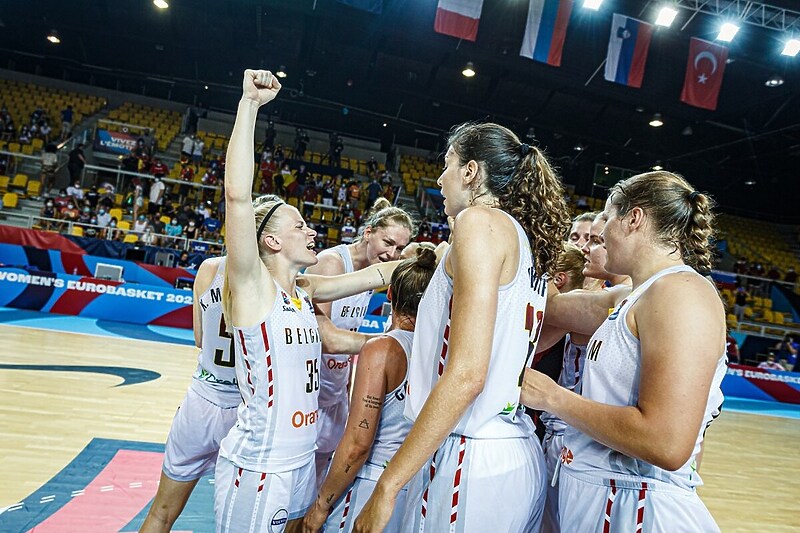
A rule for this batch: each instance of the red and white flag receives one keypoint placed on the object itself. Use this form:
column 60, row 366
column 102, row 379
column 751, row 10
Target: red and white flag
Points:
column 704, row 70
column 458, row 18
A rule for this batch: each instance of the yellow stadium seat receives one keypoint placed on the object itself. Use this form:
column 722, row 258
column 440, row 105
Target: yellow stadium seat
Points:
column 116, row 212
column 20, row 182
column 131, row 238
column 767, row 316
column 124, row 225
column 165, row 219
column 4, row 180
column 34, row 188
column 10, row 200
column 77, row 231
column 14, row 147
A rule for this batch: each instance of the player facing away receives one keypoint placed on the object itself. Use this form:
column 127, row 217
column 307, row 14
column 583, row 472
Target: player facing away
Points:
column 265, row 471
column 651, row 381
column 476, row 461
column 388, row 230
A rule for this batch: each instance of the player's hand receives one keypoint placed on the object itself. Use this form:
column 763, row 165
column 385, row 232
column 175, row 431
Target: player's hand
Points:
column 537, row 390
column 314, row 519
column 260, row 86
column 376, row 513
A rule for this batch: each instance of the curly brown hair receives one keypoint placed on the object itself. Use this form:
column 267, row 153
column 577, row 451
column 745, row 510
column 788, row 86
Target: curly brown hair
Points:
column 524, row 182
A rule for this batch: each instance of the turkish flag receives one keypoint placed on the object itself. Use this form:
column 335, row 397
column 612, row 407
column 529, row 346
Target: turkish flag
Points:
column 704, row 70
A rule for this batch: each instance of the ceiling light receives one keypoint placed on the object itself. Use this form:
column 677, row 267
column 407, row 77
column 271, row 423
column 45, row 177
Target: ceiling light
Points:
column 281, row 72
column 656, row 122
column 53, row 37
column 727, row 32
column 666, row 16
column 205, row 87
column 657, row 167
column 792, row 47
column 384, row 124
column 161, row 4
column 592, row 4
column 774, row 81
column 750, row 182
column 469, row 70
column 579, row 147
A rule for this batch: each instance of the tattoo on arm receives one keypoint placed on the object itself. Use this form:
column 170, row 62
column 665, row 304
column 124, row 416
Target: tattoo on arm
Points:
column 346, row 470
column 383, row 280
column 330, row 496
column 364, row 424
column 372, row 402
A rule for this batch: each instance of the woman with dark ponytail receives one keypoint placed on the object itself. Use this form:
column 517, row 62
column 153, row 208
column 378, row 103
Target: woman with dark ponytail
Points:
column 477, row 328
column 651, row 380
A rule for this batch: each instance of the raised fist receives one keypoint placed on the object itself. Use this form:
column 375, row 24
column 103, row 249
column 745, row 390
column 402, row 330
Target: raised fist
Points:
column 260, row 86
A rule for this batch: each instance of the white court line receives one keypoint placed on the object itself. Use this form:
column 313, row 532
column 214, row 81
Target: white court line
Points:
column 107, row 488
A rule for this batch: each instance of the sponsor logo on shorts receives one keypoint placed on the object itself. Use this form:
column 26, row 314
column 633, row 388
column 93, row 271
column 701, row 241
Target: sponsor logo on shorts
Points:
column 333, row 364
column 566, row 456
column 279, row 519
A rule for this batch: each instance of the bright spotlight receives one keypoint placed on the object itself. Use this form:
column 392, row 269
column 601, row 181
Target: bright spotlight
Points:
column 666, row 16
column 592, row 4
column 727, row 32
column 792, row 47
column 161, row 4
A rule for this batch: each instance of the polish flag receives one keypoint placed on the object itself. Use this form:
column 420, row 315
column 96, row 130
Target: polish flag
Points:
column 458, row 18
column 704, row 70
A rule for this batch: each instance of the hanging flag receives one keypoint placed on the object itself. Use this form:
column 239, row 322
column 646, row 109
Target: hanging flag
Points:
column 373, row 6
column 546, row 30
column 704, row 70
column 627, row 50
column 458, row 18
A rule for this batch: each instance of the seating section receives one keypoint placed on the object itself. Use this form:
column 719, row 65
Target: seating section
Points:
column 166, row 124
column 414, row 168
column 21, row 99
column 758, row 241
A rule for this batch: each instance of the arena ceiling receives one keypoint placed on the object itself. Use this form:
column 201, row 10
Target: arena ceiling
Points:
column 353, row 72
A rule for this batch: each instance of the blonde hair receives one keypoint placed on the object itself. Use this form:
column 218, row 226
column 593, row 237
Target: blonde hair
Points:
column 261, row 206
column 571, row 263
column 384, row 214
column 681, row 217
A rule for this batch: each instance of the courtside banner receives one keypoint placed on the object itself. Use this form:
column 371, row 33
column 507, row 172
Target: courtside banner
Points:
column 90, row 297
column 114, row 142
column 761, row 384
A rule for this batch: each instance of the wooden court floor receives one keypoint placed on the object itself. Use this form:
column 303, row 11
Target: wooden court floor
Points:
column 751, row 466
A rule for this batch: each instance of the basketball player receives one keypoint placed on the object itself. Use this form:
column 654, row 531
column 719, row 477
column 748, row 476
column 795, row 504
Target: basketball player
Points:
column 651, row 382
column 579, row 232
column 265, row 471
column 476, row 330
column 388, row 230
column 376, row 425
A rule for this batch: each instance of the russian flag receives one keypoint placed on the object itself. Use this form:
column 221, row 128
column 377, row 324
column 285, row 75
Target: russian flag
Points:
column 458, row 18
column 546, row 30
column 627, row 50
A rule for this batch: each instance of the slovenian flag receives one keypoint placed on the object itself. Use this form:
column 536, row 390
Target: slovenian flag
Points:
column 627, row 50
column 546, row 30
column 458, row 18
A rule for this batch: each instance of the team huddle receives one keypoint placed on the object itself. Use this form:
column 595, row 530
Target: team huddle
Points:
column 431, row 432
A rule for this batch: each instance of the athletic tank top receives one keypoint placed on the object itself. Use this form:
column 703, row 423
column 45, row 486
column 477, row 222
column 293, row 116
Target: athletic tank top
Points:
column 215, row 376
column 277, row 366
column 346, row 313
column 571, row 370
column 520, row 309
column 611, row 376
column 393, row 426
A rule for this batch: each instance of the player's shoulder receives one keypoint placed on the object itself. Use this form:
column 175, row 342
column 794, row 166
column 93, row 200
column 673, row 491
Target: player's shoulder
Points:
column 330, row 263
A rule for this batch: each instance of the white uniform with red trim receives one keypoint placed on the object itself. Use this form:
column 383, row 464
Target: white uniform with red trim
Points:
column 265, row 472
column 334, row 373
column 605, row 490
column 490, row 469
column 392, row 430
column 208, row 410
column 571, row 370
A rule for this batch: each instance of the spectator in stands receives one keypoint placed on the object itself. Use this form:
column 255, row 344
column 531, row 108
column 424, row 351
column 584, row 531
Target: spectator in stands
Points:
column 183, row 260
column 140, row 224
column 156, row 195
column 374, row 190
column 327, row 192
column 91, row 230
column 158, row 167
column 197, row 151
column 203, row 211
column 786, row 350
column 137, row 202
column 280, row 179
column 740, row 267
column 155, row 222
column 92, row 196
column 49, row 167
column 45, row 131
column 732, row 349
column 301, row 181
column 354, row 193
column 70, row 213
column 76, row 163
column 24, row 135
column 75, row 191
column 211, row 227
column 103, row 217
column 173, row 228
column 386, row 180
column 741, row 297
column 341, row 191
column 279, row 155
column 187, row 146
column 191, row 230
column 790, row 276
column 48, row 211
column 301, row 141
column 335, row 150
column 66, row 122
column 770, row 363
column 85, row 215
column 148, row 142
column 269, row 136
column 349, row 231
column 268, row 169
column 149, row 237
column 9, row 131
column 61, row 200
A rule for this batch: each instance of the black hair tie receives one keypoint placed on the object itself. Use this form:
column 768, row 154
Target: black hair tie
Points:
column 693, row 195
column 266, row 218
column 524, row 149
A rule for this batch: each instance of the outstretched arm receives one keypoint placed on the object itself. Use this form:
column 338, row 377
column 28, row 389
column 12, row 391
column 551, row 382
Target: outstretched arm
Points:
column 338, row 340
column 329, row 288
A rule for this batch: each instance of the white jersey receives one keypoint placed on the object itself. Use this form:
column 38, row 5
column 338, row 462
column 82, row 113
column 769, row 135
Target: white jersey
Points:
column 393, row 426
column 278, row 372
column 570, row 377
column 611, row 376
column 347, row 313
column 215, row 376
column 520, row 309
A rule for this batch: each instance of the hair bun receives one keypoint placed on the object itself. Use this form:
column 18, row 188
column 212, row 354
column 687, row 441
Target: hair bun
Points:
column 426, row 257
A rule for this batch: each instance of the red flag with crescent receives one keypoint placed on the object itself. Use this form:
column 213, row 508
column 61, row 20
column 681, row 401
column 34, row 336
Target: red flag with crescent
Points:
column 704, row 70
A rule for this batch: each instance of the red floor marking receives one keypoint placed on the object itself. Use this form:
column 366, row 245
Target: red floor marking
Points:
column 110, row 510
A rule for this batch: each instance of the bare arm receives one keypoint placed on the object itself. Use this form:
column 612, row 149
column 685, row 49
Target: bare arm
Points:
column 329, row 288
column 247, row 275
column 330, row 264
column 205, row 275
column 369, row 389
column 338, row 340
column 476, row 277
column 680, row 324
column 582, row 311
